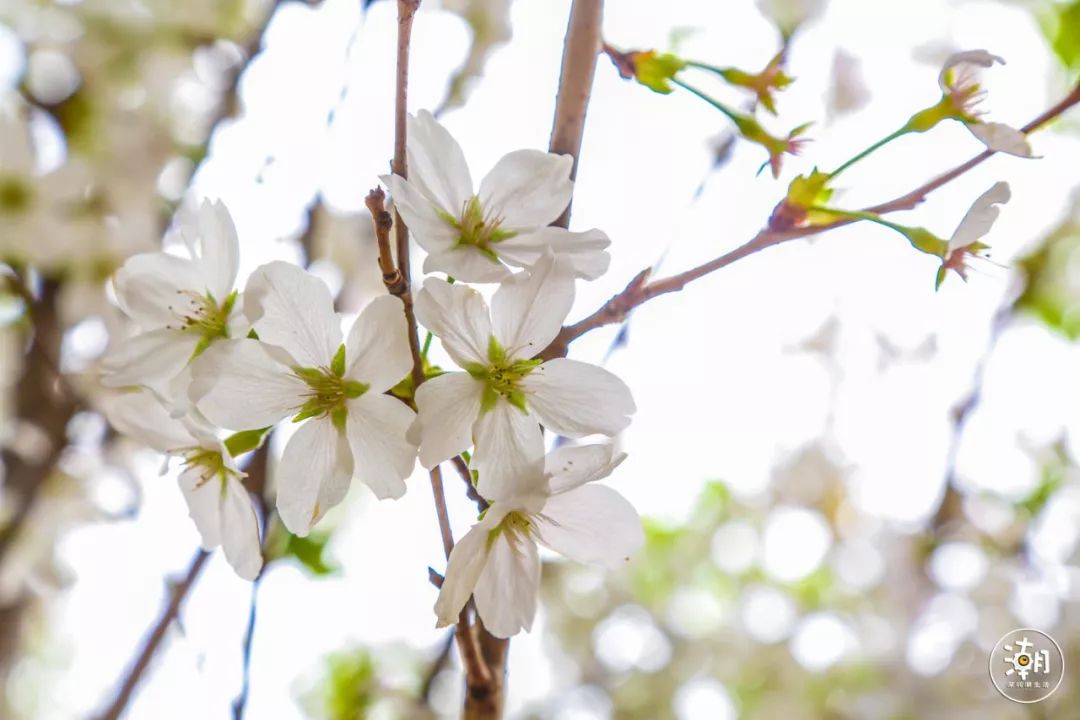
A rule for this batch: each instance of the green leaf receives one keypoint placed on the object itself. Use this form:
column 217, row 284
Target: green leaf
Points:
column 245, row 441
column 310, row 552
column 1062, row 28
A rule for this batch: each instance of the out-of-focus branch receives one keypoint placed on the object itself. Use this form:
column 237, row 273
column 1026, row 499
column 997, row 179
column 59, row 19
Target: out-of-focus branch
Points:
column 170, row 613
column 580, row 50
column 43, row 401
column 257, row 474
column 641, row 290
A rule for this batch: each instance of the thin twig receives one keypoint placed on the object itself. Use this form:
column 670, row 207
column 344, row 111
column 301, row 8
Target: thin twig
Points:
column 384, row 223
column 639, row 290
column 257, row 475
column 470, row 490
column 157, row 634
column 471, row 658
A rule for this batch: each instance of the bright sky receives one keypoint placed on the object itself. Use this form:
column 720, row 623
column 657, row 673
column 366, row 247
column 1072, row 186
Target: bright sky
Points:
column 722, row 389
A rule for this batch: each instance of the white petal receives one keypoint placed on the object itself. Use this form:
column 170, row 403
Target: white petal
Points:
column 448, row 405
column 981, row 58
column 240, row 530
column 458, row 316
column 980, row 217
column 436, row 164
column 245, row 384
column 431, row 232
column 463, row 570
column 152, row 359
column 293, row 309
column 313, row 475
column 220, row 248
column 149, row 287
column 382, row 456
column 377, row 349
column 999, row 137
column 509, row 583
column 527, row 311
column 589, row 524
column 509, row 453
column 569, row 466
column 527, row 189
column 203, row 497
column 577, row 399
column 466, row 263
column 582, row 252
column 142, row 416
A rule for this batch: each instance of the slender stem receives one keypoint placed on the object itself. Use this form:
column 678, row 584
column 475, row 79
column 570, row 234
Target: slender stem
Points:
column 731, row 114
column 860, row 215
column 154, row 639
column 721, row 71
column 870, row 150
column 427, row 345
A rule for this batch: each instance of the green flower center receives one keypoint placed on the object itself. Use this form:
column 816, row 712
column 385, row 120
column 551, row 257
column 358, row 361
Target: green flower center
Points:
column 211, row 465
column 514, row 523
column 15, row 195
column 476, row 230
column 202, row 315
column 328, row 390
column 501, row 377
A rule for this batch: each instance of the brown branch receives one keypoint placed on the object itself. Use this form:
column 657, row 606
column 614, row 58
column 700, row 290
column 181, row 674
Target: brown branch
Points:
column 640, row 290
column 471, row 658
column 384, row 223
column 157, row 634
column 255, row 483
column 42, row 401
column 580, row 49
column 470, row 490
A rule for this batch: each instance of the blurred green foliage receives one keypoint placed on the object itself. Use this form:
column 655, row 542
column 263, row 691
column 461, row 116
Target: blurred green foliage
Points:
column 1061, row 23
column 1053, row 277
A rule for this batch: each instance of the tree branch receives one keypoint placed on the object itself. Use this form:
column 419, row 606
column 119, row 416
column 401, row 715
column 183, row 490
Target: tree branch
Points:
column 580, row 49
column 384, row 223
column 153, row 641
column 471, row 658
column 640, row 290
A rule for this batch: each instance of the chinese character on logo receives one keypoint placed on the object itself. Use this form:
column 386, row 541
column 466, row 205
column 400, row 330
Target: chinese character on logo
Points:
column 1026, row 665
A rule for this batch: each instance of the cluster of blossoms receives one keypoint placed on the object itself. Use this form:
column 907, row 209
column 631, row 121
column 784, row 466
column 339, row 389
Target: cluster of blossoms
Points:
column 207, row 358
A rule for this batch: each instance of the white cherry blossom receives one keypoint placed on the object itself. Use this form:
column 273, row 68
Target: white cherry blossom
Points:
column 220, row 506
column 300, row 368
column 959, row 81
column 504, row 395
column 473, row 235
column 497, row 562
column 965, row 242
column 181, row 305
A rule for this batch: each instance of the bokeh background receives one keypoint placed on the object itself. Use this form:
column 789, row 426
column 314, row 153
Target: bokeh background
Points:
column 853, row 485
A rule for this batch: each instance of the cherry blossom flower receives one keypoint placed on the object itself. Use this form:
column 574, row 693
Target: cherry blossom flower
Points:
column 181, row 304
column 473, row 235
column 497, row 561
column 299, row 367
column 210, row 481
column 506, row 393
column 959, row 81
column 965, row 242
